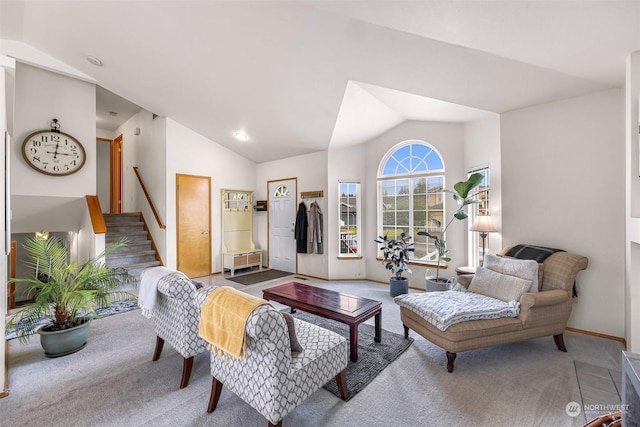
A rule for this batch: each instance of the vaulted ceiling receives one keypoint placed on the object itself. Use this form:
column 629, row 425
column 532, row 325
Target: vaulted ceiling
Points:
column 303, row 76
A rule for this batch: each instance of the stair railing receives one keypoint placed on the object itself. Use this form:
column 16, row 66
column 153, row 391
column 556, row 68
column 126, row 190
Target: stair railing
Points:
column 95, row 213
column 144, row 189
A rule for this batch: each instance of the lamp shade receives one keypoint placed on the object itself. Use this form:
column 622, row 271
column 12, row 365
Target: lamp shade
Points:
column 483, row 224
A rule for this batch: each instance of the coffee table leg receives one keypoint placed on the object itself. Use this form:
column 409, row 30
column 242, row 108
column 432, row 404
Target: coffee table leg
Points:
column 353, row 341
column 378, row 319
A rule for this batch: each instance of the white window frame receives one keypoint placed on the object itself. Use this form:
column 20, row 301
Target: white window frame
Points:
column 412, row 174
column 473, row 237
column 352, row 240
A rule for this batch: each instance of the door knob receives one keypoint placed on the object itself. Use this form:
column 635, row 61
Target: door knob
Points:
column 205, row 232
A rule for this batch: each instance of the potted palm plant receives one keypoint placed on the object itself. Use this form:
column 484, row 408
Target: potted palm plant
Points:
column 461, row 194
column 66, row 294
column 395, row 254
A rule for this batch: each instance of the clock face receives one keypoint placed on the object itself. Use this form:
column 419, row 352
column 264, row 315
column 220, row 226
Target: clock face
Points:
column 53, row 153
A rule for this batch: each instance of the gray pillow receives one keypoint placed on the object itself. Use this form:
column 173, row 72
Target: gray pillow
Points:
column 293, row 339
column 197, row 284
column 497, row 285
column 523, row 268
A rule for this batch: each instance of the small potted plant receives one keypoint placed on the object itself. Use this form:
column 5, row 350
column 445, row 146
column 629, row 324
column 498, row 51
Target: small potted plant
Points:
column 395, row 254
column 65, row 293
column 462, row 197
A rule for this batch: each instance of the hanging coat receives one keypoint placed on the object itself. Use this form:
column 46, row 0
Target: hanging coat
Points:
column 300, row 233
column 314, row 236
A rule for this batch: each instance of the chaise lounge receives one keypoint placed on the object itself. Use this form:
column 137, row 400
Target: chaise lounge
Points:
column 541, row 313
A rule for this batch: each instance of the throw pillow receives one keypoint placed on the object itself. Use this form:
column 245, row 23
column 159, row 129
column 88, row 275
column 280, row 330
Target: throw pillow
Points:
column 293, row 339
column 526, row 269
column 499, row 286
column 197, row 283
column 458, row 287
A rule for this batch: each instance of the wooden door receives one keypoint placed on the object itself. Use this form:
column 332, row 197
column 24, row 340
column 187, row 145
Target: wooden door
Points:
column 282, row 220
column 193, row 219
column 111, row 172
column 115, row 204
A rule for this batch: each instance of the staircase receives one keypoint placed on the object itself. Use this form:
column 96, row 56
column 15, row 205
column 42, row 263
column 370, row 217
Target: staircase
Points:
column 140, row 252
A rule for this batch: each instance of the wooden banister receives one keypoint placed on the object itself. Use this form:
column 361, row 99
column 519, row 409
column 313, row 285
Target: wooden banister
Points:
column 95, row 213
column 144, row 189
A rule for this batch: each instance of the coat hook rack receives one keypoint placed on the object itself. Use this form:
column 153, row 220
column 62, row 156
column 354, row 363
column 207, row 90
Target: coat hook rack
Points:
column 311, row 194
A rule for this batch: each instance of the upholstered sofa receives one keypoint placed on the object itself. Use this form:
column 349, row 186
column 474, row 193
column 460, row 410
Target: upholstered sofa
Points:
column 543, row 313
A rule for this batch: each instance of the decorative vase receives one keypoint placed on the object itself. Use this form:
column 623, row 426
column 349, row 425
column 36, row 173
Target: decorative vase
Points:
column 66, row 341
column 439, row 284
column 398, row 286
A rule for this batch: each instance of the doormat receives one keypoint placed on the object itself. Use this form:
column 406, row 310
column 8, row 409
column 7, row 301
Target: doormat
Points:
column 373, row 357
column 116, row 307
column 259, row 276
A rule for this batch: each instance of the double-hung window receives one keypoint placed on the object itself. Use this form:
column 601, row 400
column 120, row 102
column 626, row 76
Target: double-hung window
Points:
column 410, row 186
column 475, row 209
column 349, row 209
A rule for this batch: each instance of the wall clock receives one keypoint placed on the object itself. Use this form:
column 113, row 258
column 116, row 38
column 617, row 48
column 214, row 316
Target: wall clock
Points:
column 53, row 152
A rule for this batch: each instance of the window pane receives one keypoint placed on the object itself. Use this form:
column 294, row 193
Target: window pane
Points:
column 408, row 204
column 413, row 158
column 349, row 219
column 434, row 162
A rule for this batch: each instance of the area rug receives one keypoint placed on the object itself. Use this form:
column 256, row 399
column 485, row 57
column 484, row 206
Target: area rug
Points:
column 373, row 357
column 259, row 276
column 116, row 308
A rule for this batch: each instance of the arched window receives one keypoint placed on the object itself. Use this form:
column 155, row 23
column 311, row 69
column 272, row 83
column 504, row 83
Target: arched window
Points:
column 410, row 186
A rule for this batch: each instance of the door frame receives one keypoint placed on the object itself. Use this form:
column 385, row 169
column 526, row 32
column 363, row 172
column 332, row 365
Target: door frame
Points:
column 295, row 204
column 208, row 178
column 115, row 173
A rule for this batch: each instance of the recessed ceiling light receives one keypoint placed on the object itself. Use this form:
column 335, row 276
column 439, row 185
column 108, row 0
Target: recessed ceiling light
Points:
column 241, row 135
column 95, row 61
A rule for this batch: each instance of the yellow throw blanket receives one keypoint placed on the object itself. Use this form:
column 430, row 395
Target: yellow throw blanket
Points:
column 223, row 320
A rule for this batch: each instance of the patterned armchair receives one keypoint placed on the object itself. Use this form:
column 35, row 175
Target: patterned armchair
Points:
column 177, row 316
column 272, row 379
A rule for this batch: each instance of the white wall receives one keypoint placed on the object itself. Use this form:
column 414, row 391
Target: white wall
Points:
column 448, row 139
column 41, row 96
column 190, row 153
column 482, row 147
column 632, row 210
column 311, row 171
column 6, row 111
column 103, row 174
column 563, row 187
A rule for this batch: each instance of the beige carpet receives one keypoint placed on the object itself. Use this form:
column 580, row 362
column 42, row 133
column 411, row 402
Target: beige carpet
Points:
column 113, row 382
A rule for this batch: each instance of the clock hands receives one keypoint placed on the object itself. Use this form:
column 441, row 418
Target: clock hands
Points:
column 62, row 154
column 55, row 155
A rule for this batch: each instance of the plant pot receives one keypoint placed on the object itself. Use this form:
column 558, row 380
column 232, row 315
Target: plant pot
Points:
column 398, row 286
column 66, row 341
column 439, row 284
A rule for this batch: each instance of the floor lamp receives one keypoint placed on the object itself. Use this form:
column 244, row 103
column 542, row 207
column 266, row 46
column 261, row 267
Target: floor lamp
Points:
column 483, row 224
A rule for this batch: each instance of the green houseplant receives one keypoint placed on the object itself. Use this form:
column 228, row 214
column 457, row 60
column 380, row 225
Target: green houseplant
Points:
column 462, row 195
column 65, row 293
column 395, row 254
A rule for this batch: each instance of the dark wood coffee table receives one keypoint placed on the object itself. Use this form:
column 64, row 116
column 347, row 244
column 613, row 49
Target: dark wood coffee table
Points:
column 333, row 305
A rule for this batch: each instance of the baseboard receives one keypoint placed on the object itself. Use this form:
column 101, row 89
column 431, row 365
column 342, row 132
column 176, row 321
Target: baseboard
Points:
column 597, row 334
column 310, row 277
